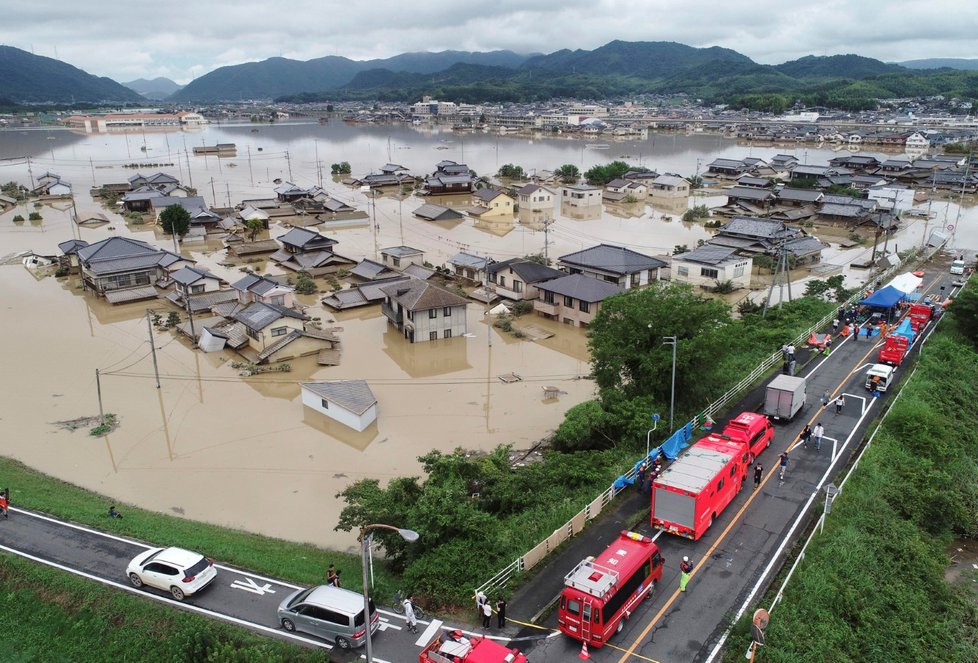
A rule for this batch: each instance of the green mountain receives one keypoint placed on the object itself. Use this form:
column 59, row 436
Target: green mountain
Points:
column 277, row 77
column 940, row 63
column 647, row 59
column 25, row 77
column 157, row 88
column 836, row 66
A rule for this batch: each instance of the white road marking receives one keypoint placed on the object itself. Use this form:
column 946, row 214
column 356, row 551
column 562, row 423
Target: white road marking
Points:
column 385, row 625
column 250, row 585
column 429, row 633
column 164, row 599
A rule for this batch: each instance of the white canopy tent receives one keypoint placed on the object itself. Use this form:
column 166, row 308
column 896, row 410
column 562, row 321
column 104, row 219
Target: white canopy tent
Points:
column 906, row 283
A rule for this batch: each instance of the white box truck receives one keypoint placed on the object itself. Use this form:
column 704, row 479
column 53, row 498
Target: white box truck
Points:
column 784, row 397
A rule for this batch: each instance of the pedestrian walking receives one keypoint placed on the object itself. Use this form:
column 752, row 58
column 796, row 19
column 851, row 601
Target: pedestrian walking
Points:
column 840, row 403
column 817, row 434
column 113, row 513
column 758, row 474
column 826, row 397
column 828, row 346
column 331, row 575
column 783, row 462
column 480, row 600
column 409, row 617
column 486, row 615
column 501, row 612
column 835, row 325
column 685, row 568
column 791, row 352
column 640, row 478
column 855, row 331
column 806, row 436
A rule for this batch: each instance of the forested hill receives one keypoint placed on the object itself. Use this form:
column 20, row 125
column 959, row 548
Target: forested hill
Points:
column 25, row 77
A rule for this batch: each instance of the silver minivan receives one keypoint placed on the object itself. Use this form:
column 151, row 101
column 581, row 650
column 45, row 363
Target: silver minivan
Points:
column 328, row 612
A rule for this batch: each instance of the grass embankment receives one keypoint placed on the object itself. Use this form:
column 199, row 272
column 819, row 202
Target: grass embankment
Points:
column 49, row 615
column 872, row 586
column 76, row 614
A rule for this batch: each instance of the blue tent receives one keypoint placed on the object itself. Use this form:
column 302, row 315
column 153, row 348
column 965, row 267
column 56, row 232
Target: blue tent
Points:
column 887, row 297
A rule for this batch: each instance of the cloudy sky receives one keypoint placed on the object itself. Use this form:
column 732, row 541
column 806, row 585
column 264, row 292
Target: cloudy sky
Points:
column 128, row 40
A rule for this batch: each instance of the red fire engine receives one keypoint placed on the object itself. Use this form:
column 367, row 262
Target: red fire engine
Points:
column 752, row 428
column 456, row 647
column 601, row 593
column 694, row 490
column 919, row 315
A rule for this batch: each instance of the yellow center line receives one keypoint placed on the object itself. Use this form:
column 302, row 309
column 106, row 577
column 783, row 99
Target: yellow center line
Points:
column 630, row 652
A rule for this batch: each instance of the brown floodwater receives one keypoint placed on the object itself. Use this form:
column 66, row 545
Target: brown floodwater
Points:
column 244, row 452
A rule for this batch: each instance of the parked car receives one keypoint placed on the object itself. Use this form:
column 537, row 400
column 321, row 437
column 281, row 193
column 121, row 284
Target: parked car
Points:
column 181, row 572
column 328, row 612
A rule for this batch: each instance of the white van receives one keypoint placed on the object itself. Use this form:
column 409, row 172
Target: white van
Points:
column 957, row 267
column 881, row 371
column 328, row 612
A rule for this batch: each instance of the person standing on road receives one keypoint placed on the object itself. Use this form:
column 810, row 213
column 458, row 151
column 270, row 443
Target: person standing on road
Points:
column 791, row 352
column 806, row 436
column 480, row 600
column 685, row 568
column 783, row 462
column 501, row 612
column 409, row 617
column 486, row 614
column 817, row 433
column 826, row 397
column 640, row 478
column 835, row 325
column 840, row 403
column 758, row 475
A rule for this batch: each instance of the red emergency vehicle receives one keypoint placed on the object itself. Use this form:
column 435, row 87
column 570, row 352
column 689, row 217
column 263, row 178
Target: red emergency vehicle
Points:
column 896, row 344
column 695, row 489
column 919, row 315
column 456, row 647
column 601, row 593
column 752, row 428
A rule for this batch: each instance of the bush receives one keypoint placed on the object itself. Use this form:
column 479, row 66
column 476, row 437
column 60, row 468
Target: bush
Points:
column 304, row 285
column 34, row 216
column 18, row 219
column 521, row 307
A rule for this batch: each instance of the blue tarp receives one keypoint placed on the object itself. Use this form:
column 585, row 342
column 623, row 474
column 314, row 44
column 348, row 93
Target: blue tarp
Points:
column 906, row 330
column 679, row 441
column 887, row 297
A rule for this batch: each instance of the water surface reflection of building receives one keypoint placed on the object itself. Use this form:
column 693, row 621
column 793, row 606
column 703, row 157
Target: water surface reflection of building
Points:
column 422, row 360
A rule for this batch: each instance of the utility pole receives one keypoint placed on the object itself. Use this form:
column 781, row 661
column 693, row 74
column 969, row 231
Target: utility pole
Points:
column 546, row 240
column 673, row 341
column 288, row 160
column 98, row 390
column 92, row 165
column 190, row 314
column 319, row 170
column 213, row 192
column 152, row 345
column 31, row 173
column 189, row 173
column 251, row 175
column 781, row 278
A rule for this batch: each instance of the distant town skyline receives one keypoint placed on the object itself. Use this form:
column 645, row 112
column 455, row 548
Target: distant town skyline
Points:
column 126, row 41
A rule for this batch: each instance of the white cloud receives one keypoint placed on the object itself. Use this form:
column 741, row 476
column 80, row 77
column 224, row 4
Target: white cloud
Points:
column 130, row 40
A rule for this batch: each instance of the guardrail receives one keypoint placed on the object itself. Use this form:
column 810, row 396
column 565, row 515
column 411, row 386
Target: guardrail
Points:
column 577, row 523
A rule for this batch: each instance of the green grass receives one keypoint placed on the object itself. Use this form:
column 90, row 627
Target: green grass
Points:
column 872, row 587
column 50, row 615
column 301, row 563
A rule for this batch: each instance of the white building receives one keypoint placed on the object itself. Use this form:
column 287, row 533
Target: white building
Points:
column 580, row 195
column 349, row 402
column 708, row 265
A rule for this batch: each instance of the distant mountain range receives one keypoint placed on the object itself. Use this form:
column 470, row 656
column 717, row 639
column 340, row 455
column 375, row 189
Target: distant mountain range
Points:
column 275, row 77
column 156, row 89
column 617, row 69
column 938, row 63
column 37, row 79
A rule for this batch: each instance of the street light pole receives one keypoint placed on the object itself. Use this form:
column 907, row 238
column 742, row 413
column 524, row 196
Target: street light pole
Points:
column 673, row 341
column 408, row 535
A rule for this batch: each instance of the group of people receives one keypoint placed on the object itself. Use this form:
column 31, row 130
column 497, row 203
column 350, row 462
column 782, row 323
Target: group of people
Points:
column 647, row 474
column 484, row 610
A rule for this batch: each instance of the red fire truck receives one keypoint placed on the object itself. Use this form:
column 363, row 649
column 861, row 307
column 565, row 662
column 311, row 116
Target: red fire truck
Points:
column 752, row 428
column 896, row 344
column 601, row 593
column 456, row 647
column 919, row 315
column 694, row 490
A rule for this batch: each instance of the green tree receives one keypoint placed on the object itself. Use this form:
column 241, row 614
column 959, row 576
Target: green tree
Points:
column 627, row 352
column 175, row 220
column 512, row 172
column 964, row 313
column 601, row 175
column 568, row 173
column 341, row 168
column 697, row 213
column 254, row 227
column 304, row 285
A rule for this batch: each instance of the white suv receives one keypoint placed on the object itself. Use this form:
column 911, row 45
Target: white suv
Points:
column 175, row 570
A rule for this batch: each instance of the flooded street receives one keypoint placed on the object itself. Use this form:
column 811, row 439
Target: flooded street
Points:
column 245, row 452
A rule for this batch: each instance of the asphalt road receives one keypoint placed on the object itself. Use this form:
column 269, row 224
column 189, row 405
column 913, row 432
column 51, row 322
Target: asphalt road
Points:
column 235, row 595
column 738, row 557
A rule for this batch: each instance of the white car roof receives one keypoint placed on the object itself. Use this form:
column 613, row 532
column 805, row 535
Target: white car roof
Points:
column 178, row 557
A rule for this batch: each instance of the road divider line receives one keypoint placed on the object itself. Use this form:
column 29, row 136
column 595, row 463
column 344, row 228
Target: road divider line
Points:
column 162, row 599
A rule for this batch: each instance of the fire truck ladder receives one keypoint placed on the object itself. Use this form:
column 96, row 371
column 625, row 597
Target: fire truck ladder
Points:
column 587, row 614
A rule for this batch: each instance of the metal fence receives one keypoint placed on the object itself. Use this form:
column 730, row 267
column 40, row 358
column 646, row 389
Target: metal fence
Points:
column 577, row 523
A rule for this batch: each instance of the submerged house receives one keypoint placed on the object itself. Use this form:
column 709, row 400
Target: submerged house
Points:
column 349, row 402
column 308, row 251
column 123, row 269
column 424, row 312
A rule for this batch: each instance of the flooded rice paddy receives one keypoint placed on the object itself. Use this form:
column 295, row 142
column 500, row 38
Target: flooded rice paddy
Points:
column 244, row 452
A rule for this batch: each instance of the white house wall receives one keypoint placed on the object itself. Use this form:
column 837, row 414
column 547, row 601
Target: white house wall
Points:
column 340, row 414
